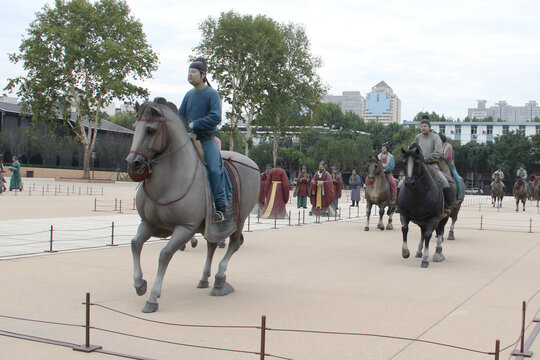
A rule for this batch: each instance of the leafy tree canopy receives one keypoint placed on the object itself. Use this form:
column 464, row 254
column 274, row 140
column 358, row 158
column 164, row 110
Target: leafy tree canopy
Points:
column 81, row 55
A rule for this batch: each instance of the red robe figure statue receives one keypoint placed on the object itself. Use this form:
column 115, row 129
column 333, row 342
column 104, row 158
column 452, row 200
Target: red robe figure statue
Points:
column 321, row 191
column 276, row 193
column 338, row 185
column 302, row 188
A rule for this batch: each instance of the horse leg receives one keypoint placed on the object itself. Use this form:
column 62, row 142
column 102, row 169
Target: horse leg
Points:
column 221, row 286
column 390, row 212
column 179, row 237
column 380, row 225
column 438, row 256
column 420, row 244
column 404, row 230
column 211, row 249
column 368, row 214
column 144, row 232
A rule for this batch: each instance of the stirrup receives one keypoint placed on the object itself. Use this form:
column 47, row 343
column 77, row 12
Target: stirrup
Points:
column 219, row 216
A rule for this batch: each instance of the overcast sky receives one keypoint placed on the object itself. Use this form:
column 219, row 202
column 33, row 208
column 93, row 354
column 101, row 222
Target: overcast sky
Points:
column 436, row 56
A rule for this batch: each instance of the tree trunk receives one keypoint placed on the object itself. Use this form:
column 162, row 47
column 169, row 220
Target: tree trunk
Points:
column 86, row 161
column 276, row 141
column 248, row 130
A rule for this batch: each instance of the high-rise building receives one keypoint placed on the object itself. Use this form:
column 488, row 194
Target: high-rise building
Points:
column 348, row 101
column 505, row 112
column 382, row 105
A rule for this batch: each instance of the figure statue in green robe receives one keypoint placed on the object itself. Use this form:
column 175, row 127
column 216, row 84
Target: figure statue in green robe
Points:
column 16, row 182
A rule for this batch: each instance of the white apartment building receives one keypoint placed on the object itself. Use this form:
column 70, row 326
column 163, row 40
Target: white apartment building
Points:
column 481, row 132
column 505, row 112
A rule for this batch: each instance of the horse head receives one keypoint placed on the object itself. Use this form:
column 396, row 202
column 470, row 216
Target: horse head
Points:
column 413, row 163
column 151, row 137
column 374, row 168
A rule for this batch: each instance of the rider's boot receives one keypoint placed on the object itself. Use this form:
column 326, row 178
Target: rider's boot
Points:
column 448, row 200
column 219, row 214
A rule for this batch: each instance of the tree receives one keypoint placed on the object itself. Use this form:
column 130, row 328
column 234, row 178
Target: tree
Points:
column 240, row 50
column 510, row 151
column 294, row 85
column 81, row 55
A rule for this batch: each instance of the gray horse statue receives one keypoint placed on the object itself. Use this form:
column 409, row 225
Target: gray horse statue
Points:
column 520, row 193
column 378, row 192
column 497, row 192
column 174, row 197
column 420, row 200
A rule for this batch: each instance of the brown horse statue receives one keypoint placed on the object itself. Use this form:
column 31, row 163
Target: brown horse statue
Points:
column 520, row 192
column 497, row 192
column 533, row 182
column 173, row 199
column 378, row 192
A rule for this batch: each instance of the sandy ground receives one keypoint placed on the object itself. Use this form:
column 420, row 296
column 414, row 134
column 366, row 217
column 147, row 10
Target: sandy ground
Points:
column 332, row 276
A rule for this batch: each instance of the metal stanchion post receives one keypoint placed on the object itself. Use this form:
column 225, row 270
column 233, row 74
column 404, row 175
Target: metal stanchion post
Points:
column 263, row 336
column 87, row 347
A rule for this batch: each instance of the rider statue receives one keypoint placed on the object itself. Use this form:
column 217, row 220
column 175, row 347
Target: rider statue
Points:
column 201, row 112
column 522, row 173
column 431, row 146
column 388, row 163
column 448, row 153
column 500, row 174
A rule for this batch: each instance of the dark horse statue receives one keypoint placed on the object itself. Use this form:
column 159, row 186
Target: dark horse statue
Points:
column 420, row 200
column 520, row 192
column 174, row 199
column 378, row 192
column 497, row 191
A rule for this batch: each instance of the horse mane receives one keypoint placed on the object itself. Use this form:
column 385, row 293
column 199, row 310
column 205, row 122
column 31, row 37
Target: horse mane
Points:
column 157, row 100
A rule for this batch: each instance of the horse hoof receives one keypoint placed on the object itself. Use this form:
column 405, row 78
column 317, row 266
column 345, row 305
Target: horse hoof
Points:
column 203, row 284
column 425, row 264
column 150, row 307
column 222, row 291
column 451, row 236
column 438, row 257
column 418, row 254
column 366, row 228
column 194, row 243
column 389, row 227
column 380, row 227
column 141, row 289
column 405, row 253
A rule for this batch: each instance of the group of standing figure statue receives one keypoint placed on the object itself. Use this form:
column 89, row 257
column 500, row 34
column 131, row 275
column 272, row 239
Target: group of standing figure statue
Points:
column 323, row 190
column 189, row 186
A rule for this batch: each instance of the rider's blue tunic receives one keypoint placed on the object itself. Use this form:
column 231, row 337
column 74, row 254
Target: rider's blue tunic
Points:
column 203, row 109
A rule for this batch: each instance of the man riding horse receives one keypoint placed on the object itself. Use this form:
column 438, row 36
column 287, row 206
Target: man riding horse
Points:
column 201, row 112
column 431, row 146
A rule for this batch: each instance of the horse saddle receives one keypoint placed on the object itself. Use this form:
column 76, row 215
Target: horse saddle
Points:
column 218, row 231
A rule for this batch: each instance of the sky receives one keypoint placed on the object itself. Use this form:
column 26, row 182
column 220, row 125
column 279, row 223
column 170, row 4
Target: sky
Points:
column 436, row 56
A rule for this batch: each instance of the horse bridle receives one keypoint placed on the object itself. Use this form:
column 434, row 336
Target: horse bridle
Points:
column 161, row 134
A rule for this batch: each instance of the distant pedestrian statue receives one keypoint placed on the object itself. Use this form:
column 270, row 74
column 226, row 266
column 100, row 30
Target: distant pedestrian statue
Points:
column 16, row 181
column 356, row 184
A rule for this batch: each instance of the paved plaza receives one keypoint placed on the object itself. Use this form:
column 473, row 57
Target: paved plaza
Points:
column 308, row 278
